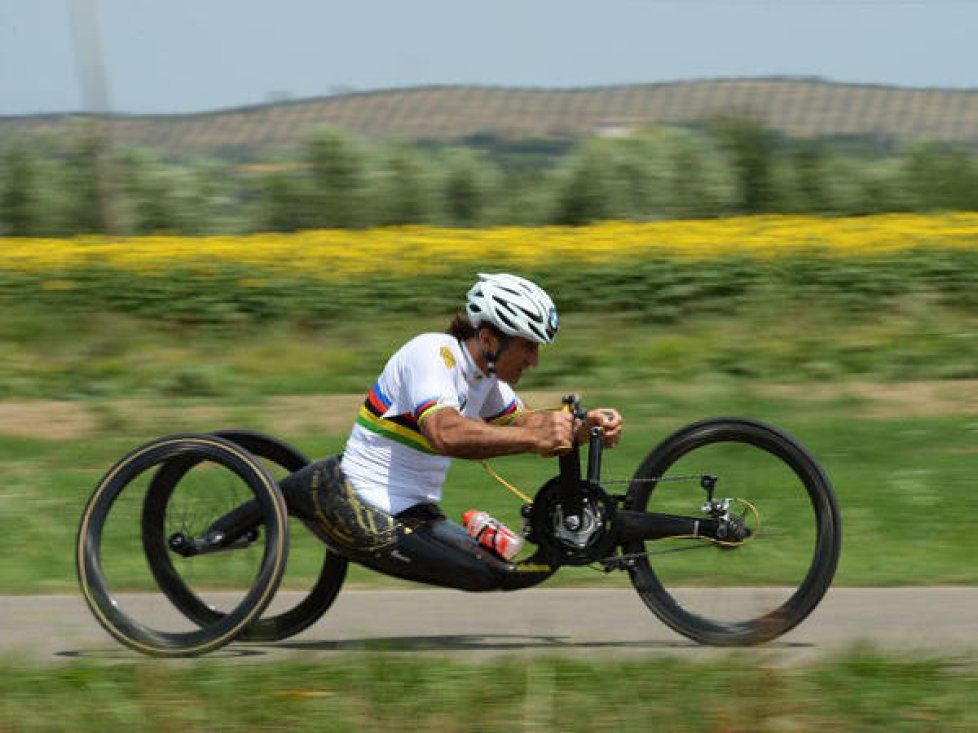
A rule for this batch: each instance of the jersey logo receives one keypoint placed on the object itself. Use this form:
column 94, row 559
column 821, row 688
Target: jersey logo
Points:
column 446, row 356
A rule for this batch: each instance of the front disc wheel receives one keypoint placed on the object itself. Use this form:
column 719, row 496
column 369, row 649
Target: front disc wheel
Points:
column 771, row 576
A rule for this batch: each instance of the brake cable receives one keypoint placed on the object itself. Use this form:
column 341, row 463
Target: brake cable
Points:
column 503, row 482
column 506, row 484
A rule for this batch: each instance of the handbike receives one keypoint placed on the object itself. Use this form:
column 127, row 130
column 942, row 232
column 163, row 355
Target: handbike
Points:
column 729, row 531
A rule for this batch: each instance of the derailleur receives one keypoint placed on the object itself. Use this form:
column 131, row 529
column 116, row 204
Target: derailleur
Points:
column 732, row 530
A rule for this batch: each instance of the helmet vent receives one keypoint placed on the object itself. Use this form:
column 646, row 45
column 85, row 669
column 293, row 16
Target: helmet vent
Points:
column 502, row 317
column 535, row 317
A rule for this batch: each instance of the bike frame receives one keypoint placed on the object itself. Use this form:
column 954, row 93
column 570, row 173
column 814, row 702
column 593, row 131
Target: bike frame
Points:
column 631, row 525
column 236, row 528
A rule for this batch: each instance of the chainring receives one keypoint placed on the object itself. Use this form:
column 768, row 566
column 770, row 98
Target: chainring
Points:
column 593, row 542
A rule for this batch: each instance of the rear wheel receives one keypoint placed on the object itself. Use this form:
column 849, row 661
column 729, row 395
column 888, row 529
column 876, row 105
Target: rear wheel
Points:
column 110, row 562
column 174, row 505
column 751, row 590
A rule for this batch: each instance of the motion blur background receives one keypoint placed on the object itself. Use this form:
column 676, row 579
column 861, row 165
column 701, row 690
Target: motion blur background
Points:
column 784, row 172
column 233, row 117
column 218, row 214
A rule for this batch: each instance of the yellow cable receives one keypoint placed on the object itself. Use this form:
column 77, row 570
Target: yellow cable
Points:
column 523, row 497
column 503, row 482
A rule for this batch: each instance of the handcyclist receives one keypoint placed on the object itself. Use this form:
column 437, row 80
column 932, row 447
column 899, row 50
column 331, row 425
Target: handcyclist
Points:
column 441, row 396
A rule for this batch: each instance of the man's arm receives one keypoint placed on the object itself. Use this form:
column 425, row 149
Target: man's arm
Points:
column 452, row 434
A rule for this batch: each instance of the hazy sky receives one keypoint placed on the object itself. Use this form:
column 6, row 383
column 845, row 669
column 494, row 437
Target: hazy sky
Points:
column 166, row 56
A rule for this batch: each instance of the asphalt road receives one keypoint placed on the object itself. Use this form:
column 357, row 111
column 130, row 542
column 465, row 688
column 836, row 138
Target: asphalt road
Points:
column 591, row 623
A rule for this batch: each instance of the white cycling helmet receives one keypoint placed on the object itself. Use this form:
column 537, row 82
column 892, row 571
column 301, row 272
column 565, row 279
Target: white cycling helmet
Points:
column 516, row 306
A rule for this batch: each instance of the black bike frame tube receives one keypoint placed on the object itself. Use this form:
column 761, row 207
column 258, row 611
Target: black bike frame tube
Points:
column 570, row 482
column 237, row 522
column 594, row 457
column 637, row 526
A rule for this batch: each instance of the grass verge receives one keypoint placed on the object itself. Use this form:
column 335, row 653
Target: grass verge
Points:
column 375, row 691
column 82, row 355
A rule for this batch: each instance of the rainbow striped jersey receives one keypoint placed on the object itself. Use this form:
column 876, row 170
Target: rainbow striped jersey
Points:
column 387, row 459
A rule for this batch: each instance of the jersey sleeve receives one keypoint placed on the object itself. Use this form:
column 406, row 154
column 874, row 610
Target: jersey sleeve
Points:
column 502, row 405
column 428, row 379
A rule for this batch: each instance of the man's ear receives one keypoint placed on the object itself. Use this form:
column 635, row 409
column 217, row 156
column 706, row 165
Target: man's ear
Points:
column 484, row 337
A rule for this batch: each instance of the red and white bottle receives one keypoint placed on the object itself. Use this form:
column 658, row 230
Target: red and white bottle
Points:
column 492, row 534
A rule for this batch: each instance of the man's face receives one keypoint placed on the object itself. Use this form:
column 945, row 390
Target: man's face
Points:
column 520, row 355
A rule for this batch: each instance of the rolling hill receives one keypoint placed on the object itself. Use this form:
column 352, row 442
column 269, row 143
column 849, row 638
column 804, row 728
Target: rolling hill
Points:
column 794, row 107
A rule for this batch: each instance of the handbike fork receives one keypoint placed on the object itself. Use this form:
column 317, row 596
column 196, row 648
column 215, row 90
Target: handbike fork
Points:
column 570, row 488
column 571, row 496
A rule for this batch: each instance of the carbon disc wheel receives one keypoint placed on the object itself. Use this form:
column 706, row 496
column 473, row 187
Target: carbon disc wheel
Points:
column 744, row 592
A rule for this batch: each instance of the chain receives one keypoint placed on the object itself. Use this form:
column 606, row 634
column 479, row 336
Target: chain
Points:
column 620, row 481
column 704, row 542
column 616, row 559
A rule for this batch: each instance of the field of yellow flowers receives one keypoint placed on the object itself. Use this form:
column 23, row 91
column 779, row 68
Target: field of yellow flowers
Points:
column 641, row 265
column 425, row 250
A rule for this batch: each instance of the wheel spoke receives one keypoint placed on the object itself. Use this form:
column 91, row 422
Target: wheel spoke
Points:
column 190, row 582
column 114, row 528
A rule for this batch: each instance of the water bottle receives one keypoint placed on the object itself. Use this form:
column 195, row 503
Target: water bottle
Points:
column 492, row 534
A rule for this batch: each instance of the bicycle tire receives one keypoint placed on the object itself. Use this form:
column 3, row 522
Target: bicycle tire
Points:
column 95, row 586
column 265, row 629
column 825, row 538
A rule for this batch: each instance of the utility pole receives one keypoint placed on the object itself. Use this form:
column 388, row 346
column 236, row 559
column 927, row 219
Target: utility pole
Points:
column 87, row 35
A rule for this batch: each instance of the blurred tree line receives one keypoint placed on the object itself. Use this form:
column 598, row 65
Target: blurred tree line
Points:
column 728, row 166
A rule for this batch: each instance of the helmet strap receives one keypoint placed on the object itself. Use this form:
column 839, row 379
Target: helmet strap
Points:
column 491, row 358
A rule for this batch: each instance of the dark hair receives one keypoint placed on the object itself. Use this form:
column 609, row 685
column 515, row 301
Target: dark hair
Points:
column 462, row 329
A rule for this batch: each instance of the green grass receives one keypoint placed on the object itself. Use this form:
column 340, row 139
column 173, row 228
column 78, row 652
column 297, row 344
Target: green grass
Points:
column 374, row 691
column 83, row 355
column 903, row 483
